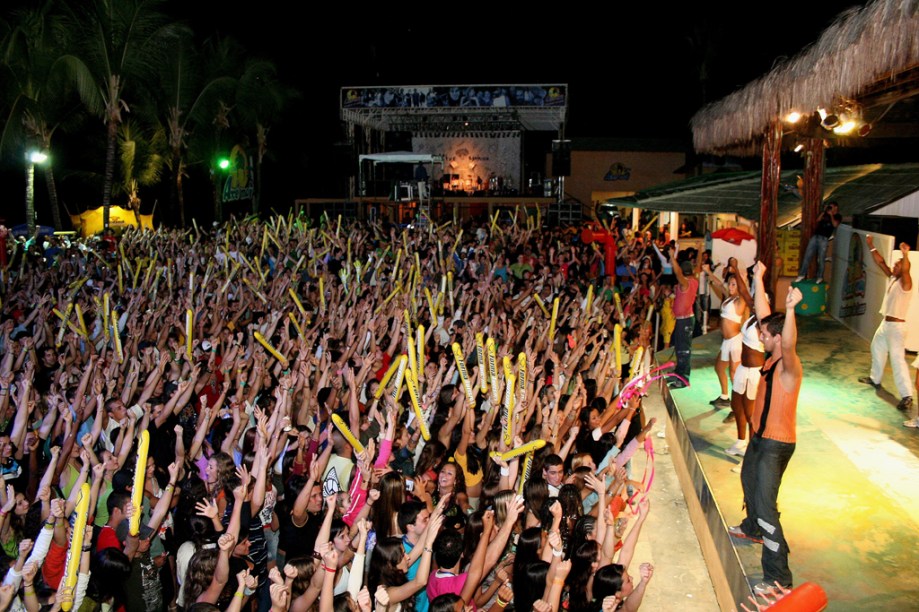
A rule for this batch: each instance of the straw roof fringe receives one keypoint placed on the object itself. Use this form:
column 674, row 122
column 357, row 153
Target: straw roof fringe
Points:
column 862, row 46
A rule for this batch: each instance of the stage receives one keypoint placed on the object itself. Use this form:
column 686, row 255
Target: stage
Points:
column 850, row 496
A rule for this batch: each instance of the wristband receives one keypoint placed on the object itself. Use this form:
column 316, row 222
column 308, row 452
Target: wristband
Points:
column 556, row 553
column 505, row 471
column 872, row 250
column 501, row 603
column 239, row 594
column 248, row 592
column 328, row 569
column 558, row 581
column 428, row 549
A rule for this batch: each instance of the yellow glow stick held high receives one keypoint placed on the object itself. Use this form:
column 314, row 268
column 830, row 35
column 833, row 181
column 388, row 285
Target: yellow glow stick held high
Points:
column 509, row 410
column 590, row 300
column 529, row 447
column 116, row 335
column 345, row 431
column 189, row 330
column 554, row 317
column 65, row 321
column 75, row 551
column 525, row 472
column 464, row 375
column 522, row 378
column 412, row 355
column 322, row 293
column 261, row 340
column 293, row 320
column 492, row 351
column 419, row 343
column 617, row 346
column 480, row 358
column 416, row 407
column 400, row 376
column 140, row 472
column 542, row 305
column 293, row 295
column 389, row 374
column 81, row 321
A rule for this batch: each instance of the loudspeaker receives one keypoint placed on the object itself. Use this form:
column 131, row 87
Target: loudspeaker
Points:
column 903, row 229
column 561, row 158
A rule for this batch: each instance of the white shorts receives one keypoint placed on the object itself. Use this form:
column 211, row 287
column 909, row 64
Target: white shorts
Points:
column 731, row 348
column 746, row 381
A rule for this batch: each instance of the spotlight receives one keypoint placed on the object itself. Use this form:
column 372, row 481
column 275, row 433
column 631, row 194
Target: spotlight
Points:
column 865, row 129
column 845, row 128
column 830, row 122
column 799, row 148
column 793, row 117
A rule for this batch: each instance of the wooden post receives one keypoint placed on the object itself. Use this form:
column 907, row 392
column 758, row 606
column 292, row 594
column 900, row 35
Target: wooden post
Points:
column 812, row 191
column 769, row 193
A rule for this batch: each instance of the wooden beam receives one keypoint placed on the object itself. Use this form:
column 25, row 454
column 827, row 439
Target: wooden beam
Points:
column 813, row 190
column 769, row 197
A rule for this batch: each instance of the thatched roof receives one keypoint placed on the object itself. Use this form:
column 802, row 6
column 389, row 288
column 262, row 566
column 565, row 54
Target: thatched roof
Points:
column 862, row 47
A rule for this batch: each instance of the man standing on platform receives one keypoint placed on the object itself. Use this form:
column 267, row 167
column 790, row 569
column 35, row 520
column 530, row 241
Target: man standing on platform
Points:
column 686, row 290
column 891, row 333
column 774, row 434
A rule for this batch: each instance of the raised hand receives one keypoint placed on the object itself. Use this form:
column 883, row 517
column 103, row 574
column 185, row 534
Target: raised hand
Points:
column 207, row 508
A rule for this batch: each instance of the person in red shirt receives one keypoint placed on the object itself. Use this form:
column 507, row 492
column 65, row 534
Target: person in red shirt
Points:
column 119, row 508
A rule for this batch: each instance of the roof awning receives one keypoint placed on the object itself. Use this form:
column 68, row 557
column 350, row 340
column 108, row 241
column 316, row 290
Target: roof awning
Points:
column 857, row 189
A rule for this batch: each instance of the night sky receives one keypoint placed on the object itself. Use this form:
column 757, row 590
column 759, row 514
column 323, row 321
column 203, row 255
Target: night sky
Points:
column 637, row 70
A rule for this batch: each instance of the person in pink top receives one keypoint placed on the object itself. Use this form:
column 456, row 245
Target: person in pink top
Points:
column 686, row 289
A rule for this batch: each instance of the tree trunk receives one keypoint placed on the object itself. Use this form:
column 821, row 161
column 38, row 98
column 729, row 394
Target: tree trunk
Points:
column 109, row 170
column 52, row 197
column 813, row 191
column 30, row 197
column 179, row 195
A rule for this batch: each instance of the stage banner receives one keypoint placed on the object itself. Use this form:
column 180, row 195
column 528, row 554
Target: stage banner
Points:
column 460, row 96
column 474, row 160
column 858, row 285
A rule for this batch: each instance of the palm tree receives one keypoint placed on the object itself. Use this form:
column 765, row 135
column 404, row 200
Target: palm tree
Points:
column 142, row 156
column 37, row 102
column 192, row 88
column 119, row 45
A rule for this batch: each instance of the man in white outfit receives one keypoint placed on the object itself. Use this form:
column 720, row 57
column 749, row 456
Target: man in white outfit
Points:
column 890, row 335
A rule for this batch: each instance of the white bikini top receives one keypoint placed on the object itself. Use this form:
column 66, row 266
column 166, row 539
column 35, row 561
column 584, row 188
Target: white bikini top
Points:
column 729, row 310
column 750, row 335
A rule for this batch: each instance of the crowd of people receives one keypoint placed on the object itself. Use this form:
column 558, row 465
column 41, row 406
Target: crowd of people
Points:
column 268, row 415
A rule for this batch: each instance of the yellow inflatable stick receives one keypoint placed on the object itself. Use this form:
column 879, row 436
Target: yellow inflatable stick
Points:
column 542, row 305
column 106, row 308
column 346, row 432
column 389, row 373
column 464, row 375
column 509, row 410
column 293, row 296
column 189, row 330
column 590, row 300
column 120, row 281
column 395, row 268
column 618, row 307
column 257, row 293
column 491, row 349
column 75, row 551
column 480, row 358
column 65, row 321
column 412, row 355
column 293, row 320
column 522, row 378
column 81, row 321
column 140, row 472
column 529, row 447
column 431, row 307
column 419, row 343
column 413, row 394
column 322, row 293
column 554, row 318
column 117, row 336
column 400, row 377
column 525, row 472
column 261, row 340
column 617, row 346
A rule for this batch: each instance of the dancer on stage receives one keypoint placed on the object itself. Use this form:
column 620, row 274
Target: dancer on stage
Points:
column 733, row 312
column 891, row 333
column 774, row 434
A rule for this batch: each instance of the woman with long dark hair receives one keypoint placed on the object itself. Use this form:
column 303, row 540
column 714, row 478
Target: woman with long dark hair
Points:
column 389, row 564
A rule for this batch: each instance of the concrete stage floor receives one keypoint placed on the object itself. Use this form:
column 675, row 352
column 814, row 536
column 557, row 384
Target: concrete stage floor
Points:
column 850, row 496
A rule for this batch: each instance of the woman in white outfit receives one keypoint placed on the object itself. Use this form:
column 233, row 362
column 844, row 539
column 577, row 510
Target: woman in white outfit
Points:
column 733, row 312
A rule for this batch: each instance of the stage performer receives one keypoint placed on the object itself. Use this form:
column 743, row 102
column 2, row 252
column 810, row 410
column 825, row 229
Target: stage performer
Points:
column 733, row 312
column 773, row 441
column 891, row 333
column 686, row 290
column 827, row 223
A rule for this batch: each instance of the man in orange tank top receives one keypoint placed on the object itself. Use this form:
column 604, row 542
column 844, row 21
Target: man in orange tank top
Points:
column 773, row 441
